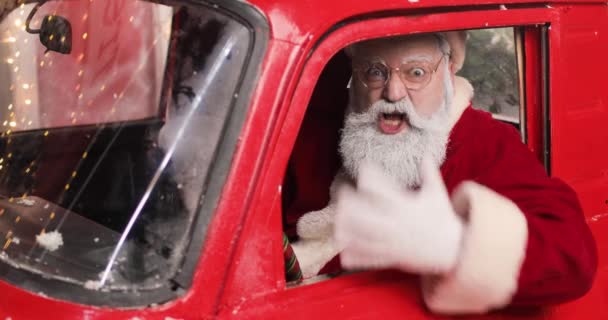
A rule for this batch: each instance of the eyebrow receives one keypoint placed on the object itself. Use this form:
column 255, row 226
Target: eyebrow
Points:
column 410, row 58
column 375, row 59
column 417, row 57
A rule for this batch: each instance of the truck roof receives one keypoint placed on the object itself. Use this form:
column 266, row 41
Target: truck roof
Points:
column 300, row 21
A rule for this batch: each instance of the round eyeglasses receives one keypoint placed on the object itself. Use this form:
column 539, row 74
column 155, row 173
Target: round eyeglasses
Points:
column 415, row 75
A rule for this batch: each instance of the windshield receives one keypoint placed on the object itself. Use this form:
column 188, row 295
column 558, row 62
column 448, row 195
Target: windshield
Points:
column 111, row 113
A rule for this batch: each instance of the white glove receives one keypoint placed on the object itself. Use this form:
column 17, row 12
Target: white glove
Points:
column 383, row 225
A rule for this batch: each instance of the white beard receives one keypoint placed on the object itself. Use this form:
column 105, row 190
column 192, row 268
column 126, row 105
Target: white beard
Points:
column 399, row 154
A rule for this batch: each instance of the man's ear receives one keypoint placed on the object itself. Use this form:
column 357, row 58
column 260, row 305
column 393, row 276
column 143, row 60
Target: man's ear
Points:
column 457, row 41
column 452, row 68
column 453, row 71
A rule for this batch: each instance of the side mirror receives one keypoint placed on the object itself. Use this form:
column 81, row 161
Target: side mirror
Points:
column 55, row 32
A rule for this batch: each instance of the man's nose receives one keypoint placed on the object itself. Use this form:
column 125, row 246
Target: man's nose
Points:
column 395, row 89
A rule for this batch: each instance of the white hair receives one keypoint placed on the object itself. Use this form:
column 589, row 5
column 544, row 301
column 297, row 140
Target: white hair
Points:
column 442, row 43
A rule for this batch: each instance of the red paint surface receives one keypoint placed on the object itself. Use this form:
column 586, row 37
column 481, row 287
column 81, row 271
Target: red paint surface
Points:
column 533, row 90
column 240, row 271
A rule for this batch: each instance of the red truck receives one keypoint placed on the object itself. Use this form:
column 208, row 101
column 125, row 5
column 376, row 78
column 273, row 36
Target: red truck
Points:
column 145, row 147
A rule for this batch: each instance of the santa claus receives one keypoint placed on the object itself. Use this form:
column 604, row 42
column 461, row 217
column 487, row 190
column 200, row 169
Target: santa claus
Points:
column 431, row 186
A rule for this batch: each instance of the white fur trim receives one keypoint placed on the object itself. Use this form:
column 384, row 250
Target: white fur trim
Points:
column 316, row 224
column 493, row 251
column 463, row 93
column 313, row 254
column 315, row 229
column 315, row 247
column 320, row 224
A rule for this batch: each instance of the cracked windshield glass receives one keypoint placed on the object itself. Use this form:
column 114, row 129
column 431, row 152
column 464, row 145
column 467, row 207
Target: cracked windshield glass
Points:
column 110, row 116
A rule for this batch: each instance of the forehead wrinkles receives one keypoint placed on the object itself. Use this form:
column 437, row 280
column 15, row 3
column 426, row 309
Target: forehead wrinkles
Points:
column 404, row 59
column 417, row 57
column 398, row 52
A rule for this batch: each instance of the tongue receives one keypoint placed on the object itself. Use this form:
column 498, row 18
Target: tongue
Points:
column 391, row 123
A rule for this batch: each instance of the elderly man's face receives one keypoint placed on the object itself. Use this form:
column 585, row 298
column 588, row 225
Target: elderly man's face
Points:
column 397, row 54
column 395, row 121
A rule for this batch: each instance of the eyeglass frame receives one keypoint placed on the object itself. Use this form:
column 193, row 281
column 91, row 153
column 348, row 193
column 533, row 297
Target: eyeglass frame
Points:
column 390, row 74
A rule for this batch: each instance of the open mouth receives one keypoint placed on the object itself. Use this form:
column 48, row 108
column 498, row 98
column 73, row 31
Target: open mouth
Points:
column 392, row 123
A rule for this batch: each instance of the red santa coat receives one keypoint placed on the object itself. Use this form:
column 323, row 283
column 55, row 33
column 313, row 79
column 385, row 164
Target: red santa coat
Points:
column 559, row 258
column 526, row 240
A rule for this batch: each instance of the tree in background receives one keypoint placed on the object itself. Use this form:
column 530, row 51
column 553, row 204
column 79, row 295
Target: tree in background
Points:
column 491, row 67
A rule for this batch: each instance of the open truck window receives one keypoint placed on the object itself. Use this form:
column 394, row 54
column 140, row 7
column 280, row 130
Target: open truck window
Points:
column 493, row 66
column 110, row 123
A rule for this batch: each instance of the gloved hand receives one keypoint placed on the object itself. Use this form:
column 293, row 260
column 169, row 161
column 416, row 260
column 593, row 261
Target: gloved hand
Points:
column 383, row 225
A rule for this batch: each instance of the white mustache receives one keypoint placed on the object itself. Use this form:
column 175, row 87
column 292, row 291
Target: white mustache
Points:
column 436, row 122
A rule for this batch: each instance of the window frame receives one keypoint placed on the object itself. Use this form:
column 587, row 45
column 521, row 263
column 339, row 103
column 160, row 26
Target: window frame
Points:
column 353, row 288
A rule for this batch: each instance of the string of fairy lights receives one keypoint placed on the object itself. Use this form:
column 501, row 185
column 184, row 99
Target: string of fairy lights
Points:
column 13, row 120
column 20, row 83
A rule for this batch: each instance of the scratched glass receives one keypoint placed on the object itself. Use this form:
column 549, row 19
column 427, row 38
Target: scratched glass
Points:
column 107, row 140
